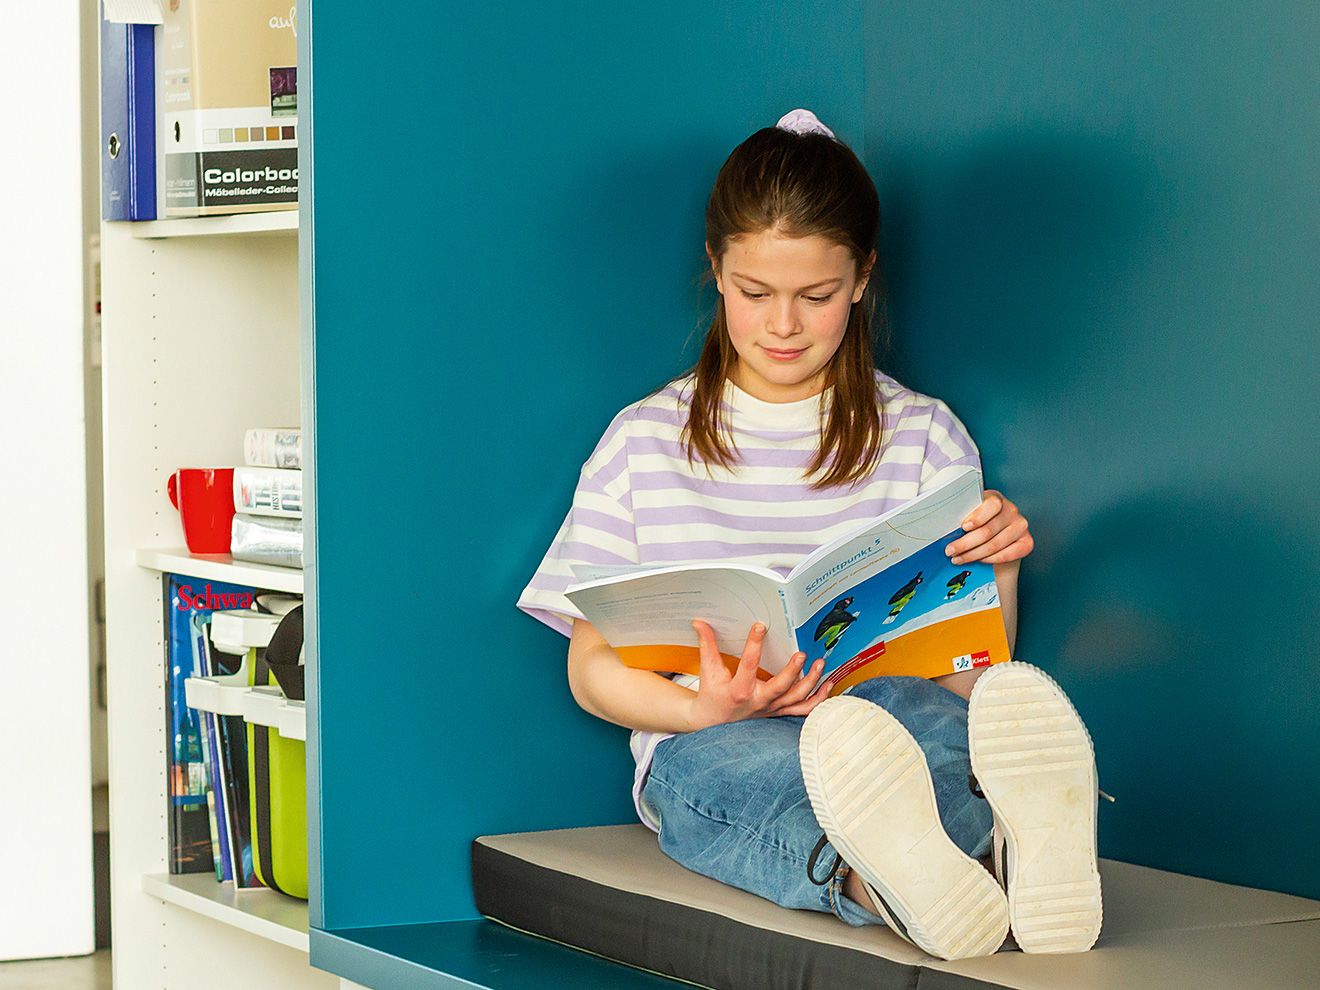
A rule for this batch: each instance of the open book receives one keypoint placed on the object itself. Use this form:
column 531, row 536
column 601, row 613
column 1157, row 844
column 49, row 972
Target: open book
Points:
column 881, row 599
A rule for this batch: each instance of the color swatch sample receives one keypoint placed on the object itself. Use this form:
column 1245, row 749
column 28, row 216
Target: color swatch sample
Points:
column 256, row 132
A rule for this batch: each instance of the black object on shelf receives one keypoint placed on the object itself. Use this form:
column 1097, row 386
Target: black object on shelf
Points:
column 284, row 655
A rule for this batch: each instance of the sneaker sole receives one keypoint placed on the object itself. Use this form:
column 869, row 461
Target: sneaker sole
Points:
column 871, row 791
column 1033, row 757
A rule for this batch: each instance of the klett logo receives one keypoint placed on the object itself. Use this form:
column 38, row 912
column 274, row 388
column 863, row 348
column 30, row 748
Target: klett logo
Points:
column 969, row 661
column 207, row 598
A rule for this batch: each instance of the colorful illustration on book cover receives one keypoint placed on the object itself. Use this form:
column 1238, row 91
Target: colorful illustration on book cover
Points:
column 943, row 613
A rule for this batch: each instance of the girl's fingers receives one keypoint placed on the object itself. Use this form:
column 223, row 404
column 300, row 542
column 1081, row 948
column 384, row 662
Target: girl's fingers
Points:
column 712, row 664
column 991, row 504
column 987, row 528
column 973, row 539
column 802, row 688
column 1006, row 537
column 990, row 539
column 751, row 657
column 787, row 677
column 1014, row 551
column 805, row 707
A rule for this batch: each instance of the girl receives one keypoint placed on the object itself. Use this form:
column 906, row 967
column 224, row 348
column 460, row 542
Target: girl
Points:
column 783, row 436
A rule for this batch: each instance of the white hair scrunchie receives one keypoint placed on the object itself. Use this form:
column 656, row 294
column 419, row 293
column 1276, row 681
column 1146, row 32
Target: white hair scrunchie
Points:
column 802, row 121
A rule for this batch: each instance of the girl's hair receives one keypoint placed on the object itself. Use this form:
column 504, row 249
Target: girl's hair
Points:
column 797, row 185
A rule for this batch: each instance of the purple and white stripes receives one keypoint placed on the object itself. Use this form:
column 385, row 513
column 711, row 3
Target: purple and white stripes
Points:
column 639, row 501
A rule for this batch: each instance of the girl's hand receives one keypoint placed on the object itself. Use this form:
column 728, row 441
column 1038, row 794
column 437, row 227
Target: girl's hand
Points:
column 723, row 697
column 996, row 533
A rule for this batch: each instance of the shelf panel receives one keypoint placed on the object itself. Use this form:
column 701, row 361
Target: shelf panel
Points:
column 280, row 222
column 220, row 567
column 293, row 720
column 470, row 955
column 265, row 913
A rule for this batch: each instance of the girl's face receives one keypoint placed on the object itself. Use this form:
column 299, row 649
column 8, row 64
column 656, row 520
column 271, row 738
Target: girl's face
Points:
column 786, row 301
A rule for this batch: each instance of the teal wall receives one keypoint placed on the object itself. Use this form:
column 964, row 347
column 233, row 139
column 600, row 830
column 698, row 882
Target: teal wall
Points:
column 508, row 225
column 1103, row 225
column 1102, row 228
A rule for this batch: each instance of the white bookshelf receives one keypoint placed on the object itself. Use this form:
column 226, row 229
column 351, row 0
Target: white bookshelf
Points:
column 263, row 913
column 282, row 223
column 200, row 342
column 220, row 567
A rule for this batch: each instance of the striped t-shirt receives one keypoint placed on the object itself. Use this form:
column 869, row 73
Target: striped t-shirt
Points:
column 638, row 501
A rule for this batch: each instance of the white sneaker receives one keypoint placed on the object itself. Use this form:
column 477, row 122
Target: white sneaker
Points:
column 871, row 791
column 1035, row 764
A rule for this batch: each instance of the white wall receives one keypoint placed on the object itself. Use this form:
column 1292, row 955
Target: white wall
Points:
column 91, row 214
column 45, row 768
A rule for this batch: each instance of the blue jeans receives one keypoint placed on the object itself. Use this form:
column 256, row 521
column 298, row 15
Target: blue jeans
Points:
column 733, row 807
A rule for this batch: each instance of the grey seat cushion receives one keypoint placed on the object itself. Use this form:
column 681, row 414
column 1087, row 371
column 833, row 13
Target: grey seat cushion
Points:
column 611, row 891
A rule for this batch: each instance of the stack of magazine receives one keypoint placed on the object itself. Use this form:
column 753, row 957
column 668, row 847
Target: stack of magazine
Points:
column 268, row 499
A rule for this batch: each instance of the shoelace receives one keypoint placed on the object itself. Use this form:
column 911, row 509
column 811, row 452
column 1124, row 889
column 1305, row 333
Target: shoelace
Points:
column 815, row 855
column 885, row 911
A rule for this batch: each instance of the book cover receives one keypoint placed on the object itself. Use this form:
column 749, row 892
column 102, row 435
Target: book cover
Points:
column 264, row 491
column 188, row 825
column 227, row 93
column 881, row 599
column 267, row 539
column 128, row 121
column 279, row 448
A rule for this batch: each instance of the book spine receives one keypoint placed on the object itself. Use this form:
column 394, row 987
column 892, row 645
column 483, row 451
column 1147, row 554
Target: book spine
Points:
column 201, row 669
column 273, row 448
column 128, row 137
column 233, row 747
column 240, row 793
column 142, row 121
column 788, row 622
column 221, row 805
column 178, row 184
column 224, row 868
column 207, row 765
column 264, row 491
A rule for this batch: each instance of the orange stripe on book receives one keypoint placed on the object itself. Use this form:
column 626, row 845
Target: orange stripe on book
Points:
column 929, row 652
column 680, row 659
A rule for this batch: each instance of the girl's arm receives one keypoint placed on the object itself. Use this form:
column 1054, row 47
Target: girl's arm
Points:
column 1006, row 577
column 642, row 699
column 605, row 687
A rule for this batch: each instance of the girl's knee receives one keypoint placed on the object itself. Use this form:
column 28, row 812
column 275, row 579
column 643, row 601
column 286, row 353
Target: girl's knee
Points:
column 935, row 716
column 898, row 694
column 881, row 690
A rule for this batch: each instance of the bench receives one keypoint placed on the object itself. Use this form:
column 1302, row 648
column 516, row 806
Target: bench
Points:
column 609, row 890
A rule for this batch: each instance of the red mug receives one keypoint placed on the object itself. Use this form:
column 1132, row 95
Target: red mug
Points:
column 205, row 500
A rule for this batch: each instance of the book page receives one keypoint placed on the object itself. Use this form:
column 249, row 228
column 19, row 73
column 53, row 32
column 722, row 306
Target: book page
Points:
column 646, row 616
column 594, row 572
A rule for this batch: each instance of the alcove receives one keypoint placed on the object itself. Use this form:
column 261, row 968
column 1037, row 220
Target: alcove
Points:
column 1100, row 256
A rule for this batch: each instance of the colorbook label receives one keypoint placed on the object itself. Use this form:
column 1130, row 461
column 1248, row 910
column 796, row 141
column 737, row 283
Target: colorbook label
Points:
column 231, row 178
